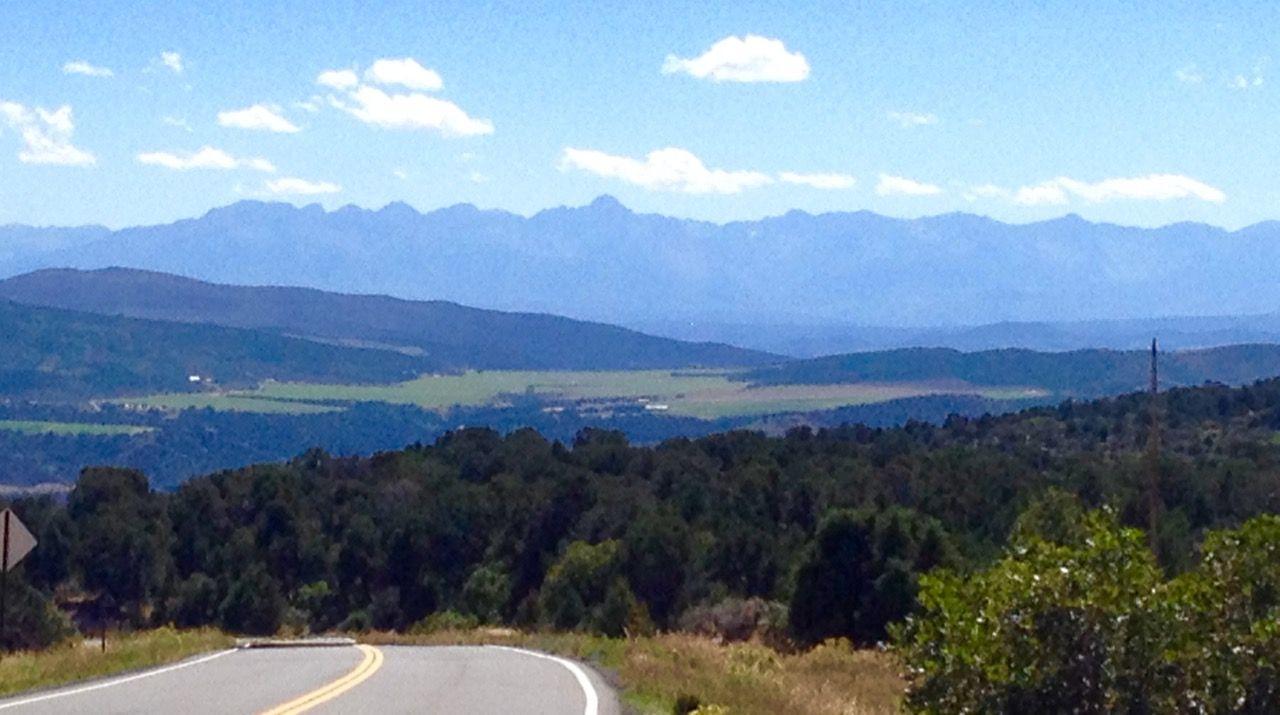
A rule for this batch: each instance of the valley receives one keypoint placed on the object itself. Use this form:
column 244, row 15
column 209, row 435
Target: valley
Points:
column 700, row 394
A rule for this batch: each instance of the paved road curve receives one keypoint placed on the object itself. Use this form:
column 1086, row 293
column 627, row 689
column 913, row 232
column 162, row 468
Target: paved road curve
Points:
column 354, row 679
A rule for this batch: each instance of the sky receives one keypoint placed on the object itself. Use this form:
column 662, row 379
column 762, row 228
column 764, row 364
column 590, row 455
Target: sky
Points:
column 1132, row 113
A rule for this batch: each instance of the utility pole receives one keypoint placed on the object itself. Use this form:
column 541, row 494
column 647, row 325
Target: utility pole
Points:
column 1153, row 451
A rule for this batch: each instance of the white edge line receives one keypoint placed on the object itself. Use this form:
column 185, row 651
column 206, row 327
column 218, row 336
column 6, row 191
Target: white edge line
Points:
column 117, row 681
column 593, row 699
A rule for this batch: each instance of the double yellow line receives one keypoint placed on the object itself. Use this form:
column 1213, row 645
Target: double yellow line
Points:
column 370, row 665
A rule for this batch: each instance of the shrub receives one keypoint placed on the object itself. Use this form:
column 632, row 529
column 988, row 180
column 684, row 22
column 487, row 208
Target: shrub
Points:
column 444, row 621
column 737, row 619
column 1093, row 627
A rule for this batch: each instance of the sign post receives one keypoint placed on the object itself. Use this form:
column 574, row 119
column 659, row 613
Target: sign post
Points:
column 15, row 543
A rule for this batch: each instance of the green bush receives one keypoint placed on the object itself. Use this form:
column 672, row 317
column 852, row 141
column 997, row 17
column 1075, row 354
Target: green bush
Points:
column 485, row 593
column 574, row 591
column 31, row 620
column 1093, row 626
column 444, row 621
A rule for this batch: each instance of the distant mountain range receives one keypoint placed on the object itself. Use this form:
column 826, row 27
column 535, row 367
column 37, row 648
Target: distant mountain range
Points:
column 814, row 340
column 1079, row 373
column 604, row 262
column 437, row 335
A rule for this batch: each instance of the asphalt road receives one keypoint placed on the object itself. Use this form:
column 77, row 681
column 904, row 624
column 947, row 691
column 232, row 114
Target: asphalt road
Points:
column 349, row 679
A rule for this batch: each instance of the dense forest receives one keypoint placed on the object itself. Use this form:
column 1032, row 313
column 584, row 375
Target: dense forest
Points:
column 812, row 535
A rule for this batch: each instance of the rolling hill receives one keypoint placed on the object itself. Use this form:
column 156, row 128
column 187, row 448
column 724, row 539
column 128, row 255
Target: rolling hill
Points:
column 448, row 335
column 58, row 354
column 1078, row 373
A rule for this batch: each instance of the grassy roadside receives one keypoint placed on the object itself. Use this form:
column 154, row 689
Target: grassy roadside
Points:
column 79, row 659
column 738, row 678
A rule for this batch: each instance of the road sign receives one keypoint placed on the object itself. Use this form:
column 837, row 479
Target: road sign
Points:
column 15, row 541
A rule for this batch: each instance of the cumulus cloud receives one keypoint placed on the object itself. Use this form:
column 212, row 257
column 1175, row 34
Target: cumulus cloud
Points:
column 901, row 186
column 405, row 72
column 173, row 61
column 86, row 69
column 743, row 59
column 819, row 181
column 259, row 117
column 204, row 158
column 301, row 187
column 410, row 111
column 912, row 119
column 669, row 169
column 338, row 79
column 46, row 135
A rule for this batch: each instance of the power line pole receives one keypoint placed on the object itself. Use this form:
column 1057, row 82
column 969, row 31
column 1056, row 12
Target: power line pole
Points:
column 1153, row 451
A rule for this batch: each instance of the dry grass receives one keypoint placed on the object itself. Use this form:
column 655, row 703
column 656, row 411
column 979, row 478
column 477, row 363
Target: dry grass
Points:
column 739, row 678
column 80, row 659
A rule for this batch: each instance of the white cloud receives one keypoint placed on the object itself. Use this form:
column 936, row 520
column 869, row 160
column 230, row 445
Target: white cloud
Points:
column 406, row 72
column 400, row 173
column 411, row 111
column 205, row 158
column 1060, row 191
column 901, row 186
column 1152, row 187
column 1048, row 193
column 172, row 60
column 743, row 59
column 301, row 187
column 819, row 181
column 913, row 119
column 1251, row 80
column 86, row 69
column 477, row 177
column 1189, row 75
column 985, row 191
column 178, row 122
column 311, row 105
column 46, row 135
column 259, row 117
column 669, row 169
column 338, row 79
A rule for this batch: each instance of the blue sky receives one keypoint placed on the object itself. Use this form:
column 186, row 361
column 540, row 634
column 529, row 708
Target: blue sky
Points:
column 1139, row 113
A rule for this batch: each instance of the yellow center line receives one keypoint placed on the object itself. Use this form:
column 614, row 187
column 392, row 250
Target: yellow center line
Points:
column 370, row 665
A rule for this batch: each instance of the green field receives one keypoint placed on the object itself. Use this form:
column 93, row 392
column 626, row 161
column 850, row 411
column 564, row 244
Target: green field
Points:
column 704, row 394
column 71, row 428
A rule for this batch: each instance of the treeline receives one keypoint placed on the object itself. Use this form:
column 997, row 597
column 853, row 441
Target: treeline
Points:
column 200, row 441
column 813, row 535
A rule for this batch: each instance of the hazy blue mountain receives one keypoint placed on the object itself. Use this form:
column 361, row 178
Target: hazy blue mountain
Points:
column 604, row 262
column 813, row 340
column 450, row 336
column 1077, row 373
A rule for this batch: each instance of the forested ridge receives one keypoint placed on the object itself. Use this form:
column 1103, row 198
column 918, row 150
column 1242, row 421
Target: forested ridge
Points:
column 799, row 538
